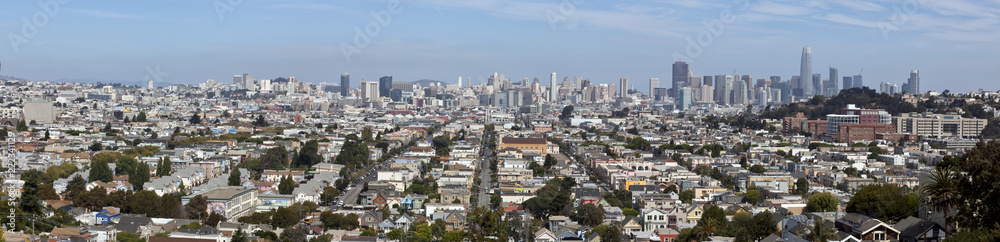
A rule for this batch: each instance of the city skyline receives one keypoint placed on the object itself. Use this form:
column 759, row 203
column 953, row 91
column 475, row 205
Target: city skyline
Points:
column 196, row 41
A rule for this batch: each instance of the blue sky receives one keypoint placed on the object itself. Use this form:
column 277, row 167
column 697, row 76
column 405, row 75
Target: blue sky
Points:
column 953, row 43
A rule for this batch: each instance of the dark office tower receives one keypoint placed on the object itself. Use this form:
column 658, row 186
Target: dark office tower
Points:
column 796, row 89
column 857, row 81
column 817, row 83
column 706, row 80
column 775, row 79
column 385, row 86
column 584, row 84
column 913, row 83
column 720, row 85
column 805, row 72
column 848, row 82
column 834, row 76
column 345, row 85
column 680, row 77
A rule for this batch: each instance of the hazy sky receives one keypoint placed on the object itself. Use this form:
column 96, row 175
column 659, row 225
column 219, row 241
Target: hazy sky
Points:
column 955, row 43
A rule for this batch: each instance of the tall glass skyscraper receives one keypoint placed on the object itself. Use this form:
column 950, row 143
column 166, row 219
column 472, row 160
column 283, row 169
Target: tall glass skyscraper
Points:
column 805, row 72
column 385, row 86
column 913, row 83
column 680, row 77
column 345, row 85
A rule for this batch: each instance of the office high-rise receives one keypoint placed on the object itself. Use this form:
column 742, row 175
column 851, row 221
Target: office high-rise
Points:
column 553, row 90
column 805, row 73
column 817, row 82
column 385, row 86
column 653, row 84
column 848, row 82
column 345, row 85
column 706, row 80
column 623, row 87
column 680, row 77
column 913, row 82
column 684, row 98
column 834, row 75
column 857, row 81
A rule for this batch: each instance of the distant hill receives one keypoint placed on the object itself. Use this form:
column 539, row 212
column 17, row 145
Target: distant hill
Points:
column 428, row 82
column 11, row 78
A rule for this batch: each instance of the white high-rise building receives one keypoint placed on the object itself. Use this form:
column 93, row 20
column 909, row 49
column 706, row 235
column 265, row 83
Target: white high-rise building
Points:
column 653, row 84
column 369, row 90
column 553, row 89
column 150, row 84
column 265, row 86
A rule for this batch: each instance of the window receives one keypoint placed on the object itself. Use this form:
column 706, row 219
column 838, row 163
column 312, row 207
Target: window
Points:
column 878, row 235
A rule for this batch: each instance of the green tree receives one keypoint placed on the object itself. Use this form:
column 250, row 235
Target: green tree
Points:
column 286, row 186
column 980, row 174
column 610, row 232
column 235, row 178
column 453, row 236
column 801, row 186
column 239, row 235
column 195, row 119
column 29, row 202
column 549, row 161
column 630, row 212
column 329, row 194
column 686, row 196
column 128, row 237
column 589, row 214
column 197, row 207
column 214, row 219
column 139, row 175
column 820, row 232
column 671, row 188
column 822, row 202
column 99, row 171
column 885, row 202
column 284, row 217
column 757, row 169
column 22, row 126
column 753, row 196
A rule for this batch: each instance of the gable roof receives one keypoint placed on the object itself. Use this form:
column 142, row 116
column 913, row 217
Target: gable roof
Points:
column 870, row 225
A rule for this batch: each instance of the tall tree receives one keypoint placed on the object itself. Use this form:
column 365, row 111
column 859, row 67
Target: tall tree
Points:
column 197, row 207
column 139, row 175
column 235, row 178
column 286, row 186
column 29, row 196
column 100, row 171
column 589, row 214
column 942, row 192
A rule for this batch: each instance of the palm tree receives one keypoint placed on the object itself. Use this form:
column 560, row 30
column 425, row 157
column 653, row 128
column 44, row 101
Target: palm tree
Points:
column 820, row 233
column 708, row 227
column 941, row 193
